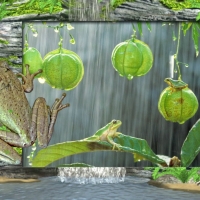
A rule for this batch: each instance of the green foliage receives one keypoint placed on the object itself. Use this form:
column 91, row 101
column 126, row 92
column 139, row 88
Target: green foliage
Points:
column 173, row 4
column 30, row 7
column 138, row 147
column 195, row 36
column 3, row 11
column 116, row 3
column 76, row 165
column 190, row 148
column 195, row 27
column 185, row 27
column 3, row 41
column 198, row 17
column 139, row 28
column 9, row 59
column 180, row 173
column 51, row 4
column 179, row 5
column 18, row 150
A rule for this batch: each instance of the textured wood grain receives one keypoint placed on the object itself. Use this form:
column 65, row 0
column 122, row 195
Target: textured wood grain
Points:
column 12, row 33
column 147, row 10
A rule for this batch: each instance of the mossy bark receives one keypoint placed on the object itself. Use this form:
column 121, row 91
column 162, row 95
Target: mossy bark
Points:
column 11, row 43
column 142, row 10
column 151, row 10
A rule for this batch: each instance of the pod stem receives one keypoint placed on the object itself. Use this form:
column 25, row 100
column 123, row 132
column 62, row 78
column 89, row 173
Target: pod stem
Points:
column 176, row 54
column 134, row 32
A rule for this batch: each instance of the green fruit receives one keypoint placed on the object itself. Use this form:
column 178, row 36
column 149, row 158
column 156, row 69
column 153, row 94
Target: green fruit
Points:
column 62, row 69
column 132, row 58
column 32, row 57
column 177, row 105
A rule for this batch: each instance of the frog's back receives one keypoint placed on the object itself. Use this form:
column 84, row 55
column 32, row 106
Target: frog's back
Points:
column 177, row 84
column 15, row 111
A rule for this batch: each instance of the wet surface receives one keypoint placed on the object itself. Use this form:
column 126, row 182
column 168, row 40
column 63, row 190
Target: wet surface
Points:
column 52, row 188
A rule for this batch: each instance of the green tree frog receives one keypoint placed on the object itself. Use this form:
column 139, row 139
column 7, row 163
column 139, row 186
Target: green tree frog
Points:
column 23, row 124
column 107, row 133
column 176, row 84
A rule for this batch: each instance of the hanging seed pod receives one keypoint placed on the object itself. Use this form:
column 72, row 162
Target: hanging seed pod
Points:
column 62, row 69
column 32, row 57
column 132, row 58
column 177, row 103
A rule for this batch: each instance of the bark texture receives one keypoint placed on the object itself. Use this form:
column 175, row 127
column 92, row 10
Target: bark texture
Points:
column 63, row 15
column 11, row 33
column 148, row 10
column 90, row 10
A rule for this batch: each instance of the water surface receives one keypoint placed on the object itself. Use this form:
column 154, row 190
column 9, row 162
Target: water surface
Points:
column 52, row 188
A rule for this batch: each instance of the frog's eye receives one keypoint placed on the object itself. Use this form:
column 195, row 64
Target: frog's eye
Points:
column 114, row 121
column 167, row 79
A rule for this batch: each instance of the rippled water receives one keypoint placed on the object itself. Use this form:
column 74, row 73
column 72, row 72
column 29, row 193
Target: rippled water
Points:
column 52, row 188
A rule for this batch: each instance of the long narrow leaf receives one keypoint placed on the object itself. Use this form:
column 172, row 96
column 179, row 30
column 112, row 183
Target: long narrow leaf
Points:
column 195, row 37
column 140, row 27
column 186, row 26
column 148, row 26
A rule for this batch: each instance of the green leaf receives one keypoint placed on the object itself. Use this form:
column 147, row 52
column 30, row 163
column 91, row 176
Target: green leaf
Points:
column 198, row 25
column 18, row 150
column 185, row 27
column 148, row 26
column 191, row 146
column 75, row 165
column 138, row 147
column 55, row 152
column 195, row 37
column 180, row 173
column 198, row 17
column 155, row 172
column 112, row 2
column 140, row 27
column 3, row 10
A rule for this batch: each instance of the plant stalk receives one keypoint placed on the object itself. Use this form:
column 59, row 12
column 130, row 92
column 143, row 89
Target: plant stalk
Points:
column 177, row 49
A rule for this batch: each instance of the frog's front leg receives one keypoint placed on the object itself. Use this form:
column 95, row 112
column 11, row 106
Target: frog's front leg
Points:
column 110, row 138
column 40, row 127
column 28, row 79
